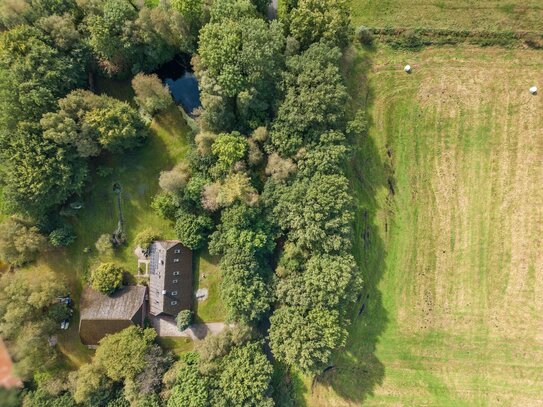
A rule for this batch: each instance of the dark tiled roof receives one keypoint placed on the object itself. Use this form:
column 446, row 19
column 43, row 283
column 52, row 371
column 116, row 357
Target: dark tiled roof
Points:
column 170, row 283
column 102, row 314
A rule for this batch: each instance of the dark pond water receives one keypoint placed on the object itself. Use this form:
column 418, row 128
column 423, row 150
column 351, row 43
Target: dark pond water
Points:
column 178, row 76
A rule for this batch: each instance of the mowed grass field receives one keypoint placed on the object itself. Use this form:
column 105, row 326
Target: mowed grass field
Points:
column 449, row 232
column 501, row 15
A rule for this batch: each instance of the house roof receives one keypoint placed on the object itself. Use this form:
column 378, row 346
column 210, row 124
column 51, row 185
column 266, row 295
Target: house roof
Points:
column 123, row 304
column 102, row 315
column 167, row 244
column 170, row 282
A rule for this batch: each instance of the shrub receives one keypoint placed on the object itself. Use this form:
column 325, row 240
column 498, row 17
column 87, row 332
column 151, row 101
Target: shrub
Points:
column 146, row 237
column 411, row 40
column 104, row 244
column 63, row 236
column 59, row 312
column 151, row 95
column 534, row 40
column 363, row 34
column 184, row 319
column 106, row 278
column 175, row 179
column 104, row 171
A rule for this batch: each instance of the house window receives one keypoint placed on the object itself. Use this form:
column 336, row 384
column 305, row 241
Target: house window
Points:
column 174, row 293
column 177, row 251
column 176, row 260
column 176, row 273
column 175, row 281
column 174, row 303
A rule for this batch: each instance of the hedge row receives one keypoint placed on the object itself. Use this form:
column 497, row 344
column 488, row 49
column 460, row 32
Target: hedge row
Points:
column 416, row 38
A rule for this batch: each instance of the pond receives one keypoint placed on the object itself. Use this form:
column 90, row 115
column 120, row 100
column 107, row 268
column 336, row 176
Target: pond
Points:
column 178, row 76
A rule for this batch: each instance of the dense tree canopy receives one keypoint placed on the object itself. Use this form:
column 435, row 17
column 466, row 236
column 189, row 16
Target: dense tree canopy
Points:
column 314, row 100
column 266, row 168
column 307, row 339
column 34, row 74
column 238, row 375
column 26, row 302
column 316, row 212
column 130, row 358
column 229, row 148
column 122, row 355
column 315, row 20
column 90, row 123
column 39, row 175
column 240, row 58
column 193, row 230
column 325, row 282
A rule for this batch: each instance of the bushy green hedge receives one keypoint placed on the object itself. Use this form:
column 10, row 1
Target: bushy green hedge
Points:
column 416, row 38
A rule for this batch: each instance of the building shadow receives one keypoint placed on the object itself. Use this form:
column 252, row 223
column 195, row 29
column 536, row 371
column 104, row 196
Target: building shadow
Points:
column 356, row 370
column 200, row 331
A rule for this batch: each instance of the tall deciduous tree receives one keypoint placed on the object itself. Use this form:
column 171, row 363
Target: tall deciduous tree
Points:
column 315, row 20
column 317, row 212
column 192, row 229
column 33, row 75
column 246, row 387
column 240, row 59
column 314, row 100
column 106, row 278
column 306, row 340
column 327, row 281
column 229, row 148
column 20, row 243
column 122, row 355
column 151, row 94
column 39, row 175
column 25, row 301
column 89, row 123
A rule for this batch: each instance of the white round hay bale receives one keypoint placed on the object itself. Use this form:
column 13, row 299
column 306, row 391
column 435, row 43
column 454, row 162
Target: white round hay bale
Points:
column 533, row 90
column 407, row 68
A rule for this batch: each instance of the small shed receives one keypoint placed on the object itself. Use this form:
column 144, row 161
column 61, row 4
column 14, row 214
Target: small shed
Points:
column 102, row 314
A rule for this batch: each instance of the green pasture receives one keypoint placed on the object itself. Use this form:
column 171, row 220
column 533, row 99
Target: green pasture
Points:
column 447, row 234
column 499, row 15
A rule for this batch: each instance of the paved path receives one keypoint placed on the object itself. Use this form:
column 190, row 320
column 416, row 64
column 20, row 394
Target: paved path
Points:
column 166, row 326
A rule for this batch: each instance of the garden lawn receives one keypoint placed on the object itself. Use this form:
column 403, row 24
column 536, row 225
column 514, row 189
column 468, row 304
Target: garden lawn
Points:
column 490, row 15
column 176, row 345
column 207, row 275
column 137, row 171
column 449, row 232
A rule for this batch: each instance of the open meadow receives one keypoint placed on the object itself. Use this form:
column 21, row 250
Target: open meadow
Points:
column 449, row 232
column 452, row 14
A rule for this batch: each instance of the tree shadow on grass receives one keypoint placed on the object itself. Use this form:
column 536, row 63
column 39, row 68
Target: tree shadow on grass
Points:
column 356, row 370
